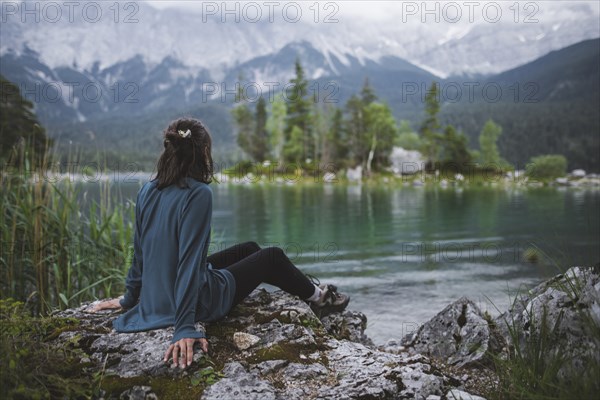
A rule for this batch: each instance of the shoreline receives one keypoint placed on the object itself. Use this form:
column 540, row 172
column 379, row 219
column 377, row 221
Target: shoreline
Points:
column 590, row 181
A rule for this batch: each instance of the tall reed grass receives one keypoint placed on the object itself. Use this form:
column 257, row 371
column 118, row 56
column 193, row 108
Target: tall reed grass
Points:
column 57, row 248
column 541, row 365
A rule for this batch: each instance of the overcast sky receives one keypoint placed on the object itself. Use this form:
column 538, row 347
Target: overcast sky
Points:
column 364, row 30
column 389, row 10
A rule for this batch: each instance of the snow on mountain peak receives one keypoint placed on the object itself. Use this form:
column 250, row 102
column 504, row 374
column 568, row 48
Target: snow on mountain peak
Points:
column 365, row 31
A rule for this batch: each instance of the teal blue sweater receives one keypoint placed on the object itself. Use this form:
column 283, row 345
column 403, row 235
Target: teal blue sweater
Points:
column 170, row 282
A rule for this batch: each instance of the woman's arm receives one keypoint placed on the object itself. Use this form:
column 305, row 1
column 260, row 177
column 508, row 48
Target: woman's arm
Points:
column 194, row 234
column 133, row 283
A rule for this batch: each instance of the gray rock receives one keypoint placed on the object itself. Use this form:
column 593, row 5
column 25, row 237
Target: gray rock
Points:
column 126, row 355
column 349, row 325
column 393, row 346
column 244, row 341
column 305, row 371
column 354, row 174
column 298, row 356
column 419, row 381
column 270, row 366
column 456, row 394
column 239, row 384
column 298, row 392
column 363, row 372
column 458, row 335
column 138, row 393
column 406, row 161
column 274, row 332
column 567, row 310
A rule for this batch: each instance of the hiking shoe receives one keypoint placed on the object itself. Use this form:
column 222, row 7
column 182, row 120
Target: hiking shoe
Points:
column 314, row 280
column 331, row 301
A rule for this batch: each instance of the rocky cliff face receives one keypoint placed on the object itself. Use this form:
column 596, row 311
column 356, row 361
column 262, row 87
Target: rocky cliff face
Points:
column 272, row 346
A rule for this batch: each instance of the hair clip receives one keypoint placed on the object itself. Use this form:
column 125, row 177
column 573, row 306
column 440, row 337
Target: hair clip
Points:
column 185, row 134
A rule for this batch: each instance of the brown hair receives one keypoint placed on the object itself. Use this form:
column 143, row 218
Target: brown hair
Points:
column 185, row 156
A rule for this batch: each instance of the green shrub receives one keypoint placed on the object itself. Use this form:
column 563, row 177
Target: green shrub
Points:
column 409, row 141
column 546, row 167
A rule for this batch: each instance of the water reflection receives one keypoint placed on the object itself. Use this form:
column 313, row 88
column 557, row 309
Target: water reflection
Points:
column 404, row 253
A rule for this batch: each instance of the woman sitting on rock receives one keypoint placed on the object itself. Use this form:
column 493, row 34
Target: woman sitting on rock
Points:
column 171, row 281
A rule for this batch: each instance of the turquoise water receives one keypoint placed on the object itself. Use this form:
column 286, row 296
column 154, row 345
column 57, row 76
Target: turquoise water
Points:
column 404, row 253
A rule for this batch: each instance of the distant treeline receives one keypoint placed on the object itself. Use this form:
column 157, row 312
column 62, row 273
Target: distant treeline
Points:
column 296, row 128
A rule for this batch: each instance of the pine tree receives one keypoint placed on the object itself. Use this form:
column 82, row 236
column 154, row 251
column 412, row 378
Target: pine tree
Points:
column 293, row 150
column 354, row 127
column 338, row 147
column 367, row 94
column 276, row 127
column 430, row 127
column 298, row 112
column 318, row 131
column 455, row 149
column 18, row 120
column 243, row 119
column 490, row 157
column 260, row 139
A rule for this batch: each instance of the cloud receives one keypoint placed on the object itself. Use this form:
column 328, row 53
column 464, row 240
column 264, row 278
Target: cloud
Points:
column 438, row 13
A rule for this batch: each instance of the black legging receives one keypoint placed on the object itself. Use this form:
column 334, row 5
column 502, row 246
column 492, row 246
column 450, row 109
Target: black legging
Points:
column 251, row 266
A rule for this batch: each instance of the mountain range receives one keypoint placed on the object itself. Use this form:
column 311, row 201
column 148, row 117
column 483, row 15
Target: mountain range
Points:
column 105, row 83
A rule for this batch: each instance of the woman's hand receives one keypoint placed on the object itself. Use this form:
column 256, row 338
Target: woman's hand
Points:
column 183, row 351
column 105, row 305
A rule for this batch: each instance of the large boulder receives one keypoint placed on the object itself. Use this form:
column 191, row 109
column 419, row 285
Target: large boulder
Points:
column 458, row 335
column 565, row 313
column 354, row 174
column 406, row 162
column 272, row 346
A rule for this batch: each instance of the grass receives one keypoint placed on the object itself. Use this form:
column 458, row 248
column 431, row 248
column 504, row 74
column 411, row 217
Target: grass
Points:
column 53, row 253
column 539, row 363
column 30, row 368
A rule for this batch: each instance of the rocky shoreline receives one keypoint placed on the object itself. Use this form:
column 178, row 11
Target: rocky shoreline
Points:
column 272, row 346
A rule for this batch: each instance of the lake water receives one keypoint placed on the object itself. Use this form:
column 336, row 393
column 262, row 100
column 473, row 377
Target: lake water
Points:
column 403, row 254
